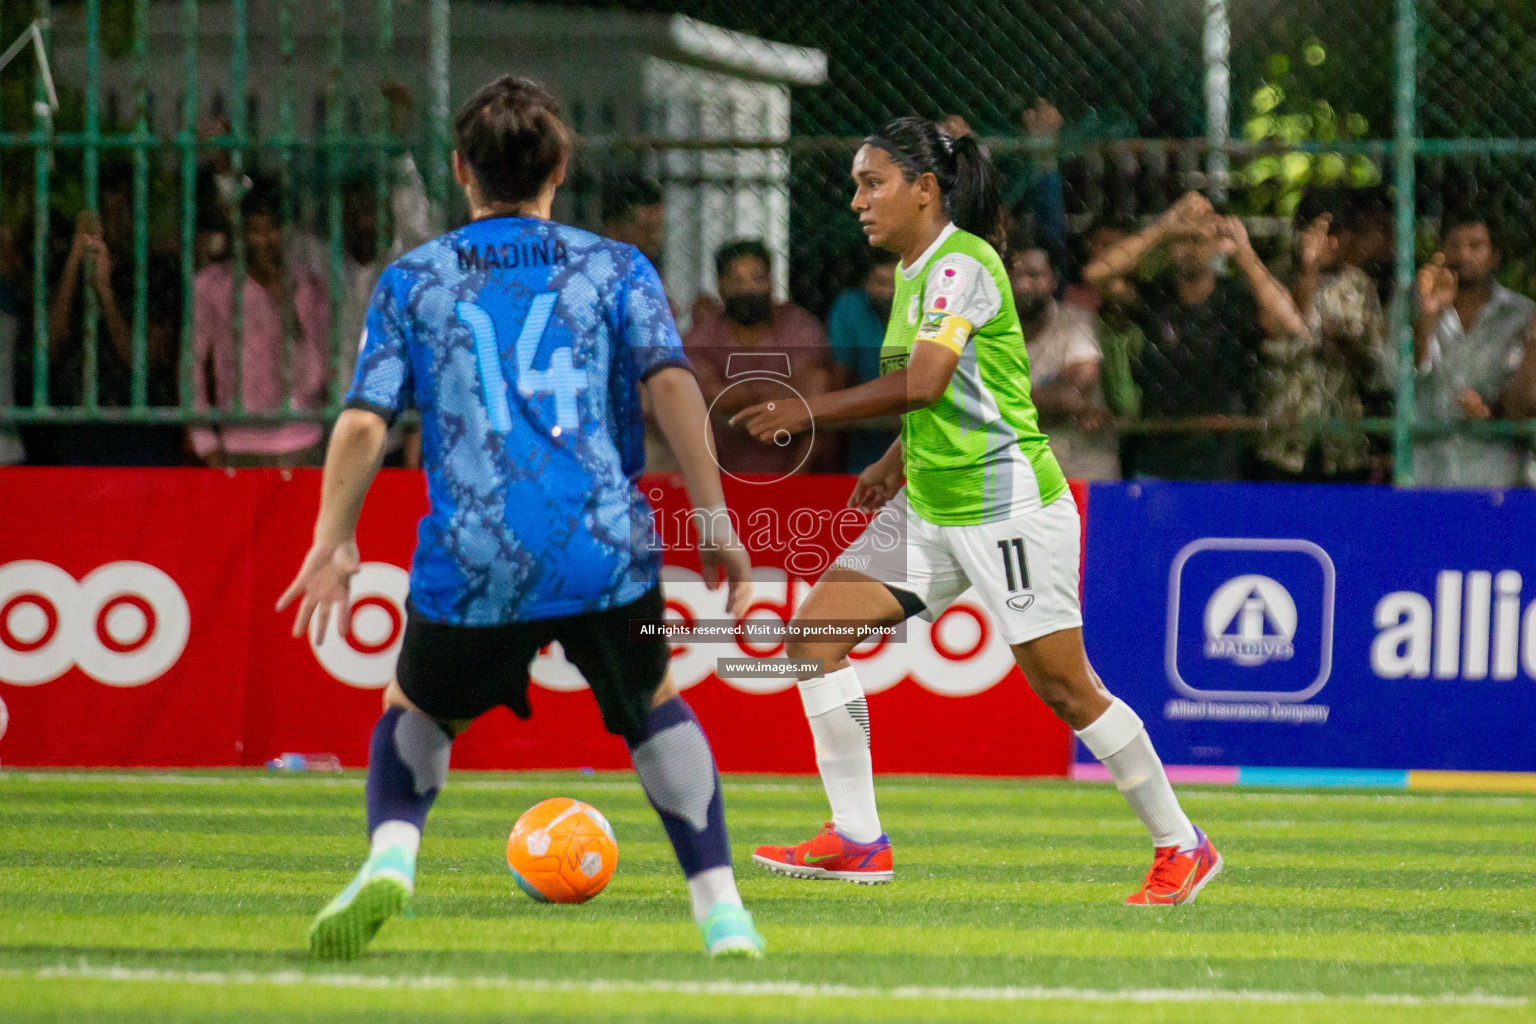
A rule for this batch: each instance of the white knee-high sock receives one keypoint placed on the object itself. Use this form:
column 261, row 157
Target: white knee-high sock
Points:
column 1119, row 740
column 839, row 717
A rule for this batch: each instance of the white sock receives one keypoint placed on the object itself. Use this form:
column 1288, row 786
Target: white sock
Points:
column 839, row 718
column 1118, row 739
column 396, row 833
column 710, row 887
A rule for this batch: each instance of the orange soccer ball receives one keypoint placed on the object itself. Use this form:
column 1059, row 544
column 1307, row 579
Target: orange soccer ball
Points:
column 562, row 851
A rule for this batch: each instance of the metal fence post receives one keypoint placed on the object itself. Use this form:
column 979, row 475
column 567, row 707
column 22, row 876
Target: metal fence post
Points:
column 42, row 159
column 437, row 119
column 285, row 141
column 334, row 163
column 139, row 386
column 90, row 328
column 1404, row 154
column 1218, row 95
column 239, row 56
column 187, row 140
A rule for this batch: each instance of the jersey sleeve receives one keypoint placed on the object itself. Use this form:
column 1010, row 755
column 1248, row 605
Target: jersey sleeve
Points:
column 650, row 333
column 381, row 383
column 959, row 296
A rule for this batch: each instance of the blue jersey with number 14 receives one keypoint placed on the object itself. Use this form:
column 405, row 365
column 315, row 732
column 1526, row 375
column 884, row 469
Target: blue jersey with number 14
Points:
column 522, row 343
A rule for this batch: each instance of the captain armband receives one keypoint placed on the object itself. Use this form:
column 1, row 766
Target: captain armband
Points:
column 946, row 329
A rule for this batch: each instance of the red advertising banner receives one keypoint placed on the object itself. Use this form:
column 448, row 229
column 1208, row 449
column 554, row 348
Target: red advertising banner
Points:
column 137, row 627
column 124, row 615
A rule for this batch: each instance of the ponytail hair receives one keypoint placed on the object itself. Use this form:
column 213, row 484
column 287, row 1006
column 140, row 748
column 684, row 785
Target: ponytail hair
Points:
column 967, row 179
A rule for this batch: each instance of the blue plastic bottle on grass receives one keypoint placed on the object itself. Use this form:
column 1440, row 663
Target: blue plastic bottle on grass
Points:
column 305, row 762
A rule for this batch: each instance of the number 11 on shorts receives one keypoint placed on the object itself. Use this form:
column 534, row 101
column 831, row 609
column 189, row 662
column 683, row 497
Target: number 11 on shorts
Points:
column 1013, row 553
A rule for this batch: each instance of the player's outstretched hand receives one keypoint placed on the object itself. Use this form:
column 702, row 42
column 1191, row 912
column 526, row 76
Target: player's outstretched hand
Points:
column 875, row 486
column 323, row 583
column 733, row 561
column 774, row 422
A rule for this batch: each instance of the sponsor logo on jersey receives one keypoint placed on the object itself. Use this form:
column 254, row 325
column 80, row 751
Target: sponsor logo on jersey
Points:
column 1022, row 602
column 914, row 309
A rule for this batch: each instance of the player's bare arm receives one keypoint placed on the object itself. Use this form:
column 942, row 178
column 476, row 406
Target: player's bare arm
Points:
column 880, row 480
column 920, row 384
column 353, row 459
column 680, row 413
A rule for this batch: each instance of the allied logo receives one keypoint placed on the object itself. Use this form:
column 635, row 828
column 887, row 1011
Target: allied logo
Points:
column 1022, row 603
column 1250, row 620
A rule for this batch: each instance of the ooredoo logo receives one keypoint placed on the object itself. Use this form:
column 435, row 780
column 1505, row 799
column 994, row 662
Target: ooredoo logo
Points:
column 124, row 624
column 365, row 655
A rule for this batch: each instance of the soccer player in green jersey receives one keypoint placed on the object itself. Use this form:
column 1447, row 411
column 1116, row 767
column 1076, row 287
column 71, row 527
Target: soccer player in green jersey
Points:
column 985, row 505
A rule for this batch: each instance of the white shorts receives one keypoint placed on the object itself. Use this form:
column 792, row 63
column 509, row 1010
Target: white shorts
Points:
column 1025, row 569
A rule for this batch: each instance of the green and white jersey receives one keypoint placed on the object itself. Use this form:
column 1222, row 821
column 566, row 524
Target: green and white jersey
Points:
column 977, row 455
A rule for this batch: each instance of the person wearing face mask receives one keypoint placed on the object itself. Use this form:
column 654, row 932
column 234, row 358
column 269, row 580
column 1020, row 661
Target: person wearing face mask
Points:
column 856, row 329
column 782, row 352
column 1064, row 361
column 1204, row 339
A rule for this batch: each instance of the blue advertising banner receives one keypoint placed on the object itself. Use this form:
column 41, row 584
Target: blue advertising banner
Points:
column 1318, row 626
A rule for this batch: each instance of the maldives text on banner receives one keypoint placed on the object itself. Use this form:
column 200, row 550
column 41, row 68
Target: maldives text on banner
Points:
column 1318, row 626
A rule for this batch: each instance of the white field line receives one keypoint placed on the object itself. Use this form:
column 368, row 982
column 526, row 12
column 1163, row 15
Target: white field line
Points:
column 796, row 989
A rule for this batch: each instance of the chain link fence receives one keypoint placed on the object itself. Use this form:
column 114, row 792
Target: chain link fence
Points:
column 723, row 119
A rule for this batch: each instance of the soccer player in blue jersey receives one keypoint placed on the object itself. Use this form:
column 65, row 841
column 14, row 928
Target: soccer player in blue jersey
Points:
column 523, row 344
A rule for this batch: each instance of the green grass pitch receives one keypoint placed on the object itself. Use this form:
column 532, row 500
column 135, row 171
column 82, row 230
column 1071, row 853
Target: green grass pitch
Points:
column 185, row 897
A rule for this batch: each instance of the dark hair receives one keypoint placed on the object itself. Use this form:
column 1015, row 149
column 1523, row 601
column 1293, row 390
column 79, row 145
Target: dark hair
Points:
column 511, row 135
column 1315, row 202
column 1055, row 253
column 625, row 190
column 262, row 199
column 739, row 249
column 1362, row 205
column 967, row 179
column 1466, row 216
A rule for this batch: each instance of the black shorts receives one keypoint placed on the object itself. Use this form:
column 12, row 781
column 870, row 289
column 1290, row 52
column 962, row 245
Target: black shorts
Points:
column 461, row 672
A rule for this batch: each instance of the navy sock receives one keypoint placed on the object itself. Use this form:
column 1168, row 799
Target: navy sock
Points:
column 677, row 770
column 407, row 765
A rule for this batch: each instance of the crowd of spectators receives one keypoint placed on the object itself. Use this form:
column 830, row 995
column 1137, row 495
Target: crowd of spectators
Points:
column 1165, row 349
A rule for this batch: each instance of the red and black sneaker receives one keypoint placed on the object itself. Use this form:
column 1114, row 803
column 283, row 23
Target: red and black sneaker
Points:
column 831, row 855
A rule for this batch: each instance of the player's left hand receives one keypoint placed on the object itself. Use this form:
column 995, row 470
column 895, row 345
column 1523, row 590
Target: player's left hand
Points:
column 774, row 422
column 324, row 583
column 1473, row 405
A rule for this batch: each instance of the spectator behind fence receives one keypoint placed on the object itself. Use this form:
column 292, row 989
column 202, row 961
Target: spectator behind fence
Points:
column 1326, row 371
column 769, row 335
column 1064, row 361
column 271, row 284
column 1366, row 238
column 1121, row 338
column 1202, row 338
column 100, row 260
column 409, row 225
column 633, row 212
column 1477, row 372
column 856, row 329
